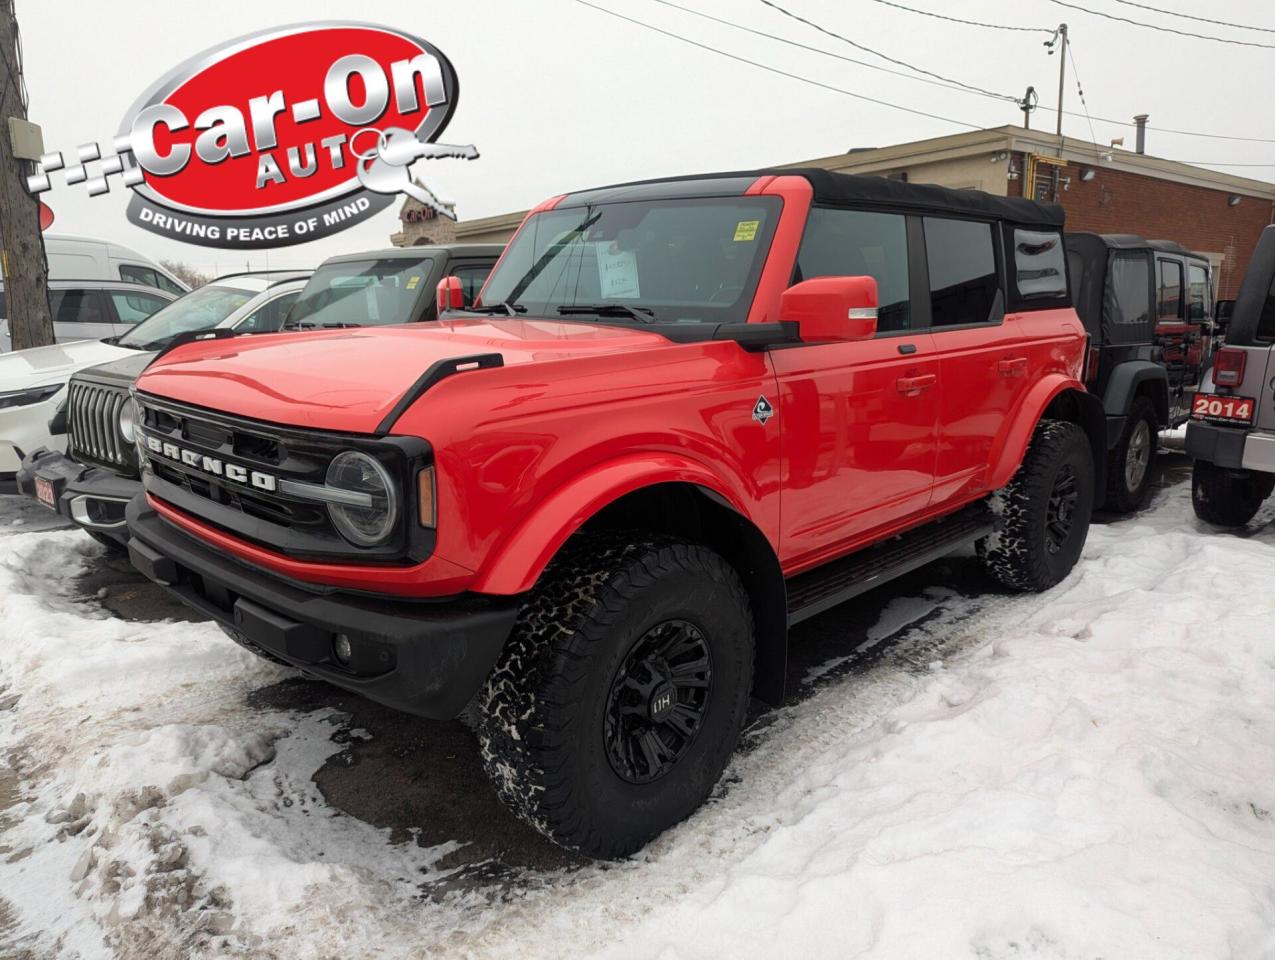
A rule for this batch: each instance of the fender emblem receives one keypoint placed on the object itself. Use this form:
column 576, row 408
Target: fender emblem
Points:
column 762, row 410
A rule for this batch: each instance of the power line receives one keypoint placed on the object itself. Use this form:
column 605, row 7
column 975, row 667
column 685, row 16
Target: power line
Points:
column 836, row 56
column 941, row 83
column 1080, row 89
column 849, row 93
column 877, row 53
column 776, row 70
column 1152, row 26
column 970, row 23
column 1187, row 16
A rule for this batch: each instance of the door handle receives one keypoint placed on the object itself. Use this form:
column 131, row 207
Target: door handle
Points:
column 1013, row 367
column 916, row 384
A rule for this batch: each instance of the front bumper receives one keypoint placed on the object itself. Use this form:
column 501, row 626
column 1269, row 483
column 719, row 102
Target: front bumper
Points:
column 1232, row 448
column 23, row 429
column 427, row 658
column 93, row 497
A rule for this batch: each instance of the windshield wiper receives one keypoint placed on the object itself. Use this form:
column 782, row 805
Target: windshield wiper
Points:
column 298, row 325
column 645, row 314
column 505, row 307
column 341, row 325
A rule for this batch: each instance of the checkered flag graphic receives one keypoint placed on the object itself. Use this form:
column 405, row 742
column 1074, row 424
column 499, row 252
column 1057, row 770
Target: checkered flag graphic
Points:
column 90, row 168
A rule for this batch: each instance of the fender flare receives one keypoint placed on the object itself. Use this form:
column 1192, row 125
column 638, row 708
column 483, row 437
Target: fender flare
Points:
column 1124, row 383
column 518, row 560
column 1087, row 413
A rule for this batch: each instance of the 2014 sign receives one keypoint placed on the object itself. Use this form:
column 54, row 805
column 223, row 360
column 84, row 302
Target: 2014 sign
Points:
column 288, row 135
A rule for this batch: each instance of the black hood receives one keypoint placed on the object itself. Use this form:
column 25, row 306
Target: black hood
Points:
column 117, row 373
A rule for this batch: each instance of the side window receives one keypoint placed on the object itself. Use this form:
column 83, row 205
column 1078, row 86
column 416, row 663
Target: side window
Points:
column 963, row 277
column 1266, row 320
column 130, row 273
column 1169, row 285
column 269, row 317
column 167, row 285
column 1130, row 295
column 856, row 243
column 133, row 308
column 1197, row 292
column 1040, row 266
column 77, row 306
column 471, row 278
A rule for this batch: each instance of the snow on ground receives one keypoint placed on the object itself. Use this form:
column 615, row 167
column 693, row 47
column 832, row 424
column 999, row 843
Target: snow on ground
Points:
column 1088, row 773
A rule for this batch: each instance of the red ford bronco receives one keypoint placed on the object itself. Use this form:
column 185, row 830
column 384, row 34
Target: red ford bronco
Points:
column 685, row 415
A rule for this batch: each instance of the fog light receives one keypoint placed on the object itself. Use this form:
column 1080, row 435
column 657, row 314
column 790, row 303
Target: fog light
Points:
column 341, row 649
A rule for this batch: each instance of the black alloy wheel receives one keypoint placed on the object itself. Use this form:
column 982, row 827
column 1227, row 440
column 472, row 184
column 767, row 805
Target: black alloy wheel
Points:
column 1060, row 514
column 658, row 700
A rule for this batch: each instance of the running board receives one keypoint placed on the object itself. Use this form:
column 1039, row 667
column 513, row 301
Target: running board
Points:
column 841, row 580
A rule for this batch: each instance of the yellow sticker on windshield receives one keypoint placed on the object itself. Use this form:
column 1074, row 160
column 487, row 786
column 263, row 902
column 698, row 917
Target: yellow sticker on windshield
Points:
column 413, row 282
column 746, row 230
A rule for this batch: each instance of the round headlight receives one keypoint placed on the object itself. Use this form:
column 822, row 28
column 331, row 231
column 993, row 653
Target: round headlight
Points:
column 128, row 421
column 363, row 526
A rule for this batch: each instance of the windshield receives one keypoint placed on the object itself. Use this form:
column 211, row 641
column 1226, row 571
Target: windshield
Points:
column 200, row 309
column 685, row 260
column 362, row 292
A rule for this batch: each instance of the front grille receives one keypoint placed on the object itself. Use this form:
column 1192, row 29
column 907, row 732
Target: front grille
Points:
column 190, row 453
column 93, row 416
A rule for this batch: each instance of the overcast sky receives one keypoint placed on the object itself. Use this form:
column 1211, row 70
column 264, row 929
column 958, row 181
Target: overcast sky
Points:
column 558, row 96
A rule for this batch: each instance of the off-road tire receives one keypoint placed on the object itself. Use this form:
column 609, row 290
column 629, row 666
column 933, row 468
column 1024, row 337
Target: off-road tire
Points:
column 544, row 708
column 1022, row 553
column 113, row 547
column 1121, row 498
column 1228, row 498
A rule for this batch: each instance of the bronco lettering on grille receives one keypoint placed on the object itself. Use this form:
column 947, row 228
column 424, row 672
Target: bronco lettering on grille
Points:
column 213, row 466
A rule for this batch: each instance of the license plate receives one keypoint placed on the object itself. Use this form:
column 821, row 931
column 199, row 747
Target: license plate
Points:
column 44, row 492
column 1210, row 406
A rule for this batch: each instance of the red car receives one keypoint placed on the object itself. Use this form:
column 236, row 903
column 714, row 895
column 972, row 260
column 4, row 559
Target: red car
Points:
column 685, row 415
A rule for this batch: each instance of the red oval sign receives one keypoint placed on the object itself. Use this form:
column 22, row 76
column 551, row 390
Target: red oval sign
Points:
column 274, row 122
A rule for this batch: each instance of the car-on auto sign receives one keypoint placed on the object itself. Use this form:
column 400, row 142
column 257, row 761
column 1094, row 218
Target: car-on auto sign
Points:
column 279, row 137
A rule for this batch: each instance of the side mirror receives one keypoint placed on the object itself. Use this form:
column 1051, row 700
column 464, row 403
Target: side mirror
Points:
column 832, row 309
column 1222, row 311
column 449, row 295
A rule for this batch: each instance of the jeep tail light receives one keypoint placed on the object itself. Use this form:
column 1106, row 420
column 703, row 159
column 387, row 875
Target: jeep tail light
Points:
column 425, row 493
column 1090, row 373
column 1228, row 368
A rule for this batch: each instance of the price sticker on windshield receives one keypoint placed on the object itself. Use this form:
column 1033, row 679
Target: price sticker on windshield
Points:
column 746, row 230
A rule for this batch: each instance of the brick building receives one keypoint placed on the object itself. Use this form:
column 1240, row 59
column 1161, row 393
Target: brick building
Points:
column 1103, row 190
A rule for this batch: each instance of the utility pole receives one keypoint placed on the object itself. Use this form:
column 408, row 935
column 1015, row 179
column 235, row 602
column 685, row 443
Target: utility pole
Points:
column 1062, row 70
column 1028, row 104
column 26, row 272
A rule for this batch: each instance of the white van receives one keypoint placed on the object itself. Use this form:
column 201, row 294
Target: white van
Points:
column 88, row 258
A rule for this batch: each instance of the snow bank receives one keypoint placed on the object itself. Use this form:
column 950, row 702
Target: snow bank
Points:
column 1086, row 773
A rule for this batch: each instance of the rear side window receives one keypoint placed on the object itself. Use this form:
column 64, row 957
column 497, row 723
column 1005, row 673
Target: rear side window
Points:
column 1130, row 289
column 963, row 277
column 857, row 243
column 134, row 274
column 1197, row 292
column 1266, row 322
column 77, row 306
column 1040, row 266
column 1169, row 287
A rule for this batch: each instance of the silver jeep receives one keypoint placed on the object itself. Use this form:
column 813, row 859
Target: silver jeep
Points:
column 1231, row 436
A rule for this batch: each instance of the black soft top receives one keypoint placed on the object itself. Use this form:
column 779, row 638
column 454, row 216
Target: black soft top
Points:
column 836, row 188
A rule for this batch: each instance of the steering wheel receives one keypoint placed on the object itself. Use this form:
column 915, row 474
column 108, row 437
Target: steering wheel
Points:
column 726, row 293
